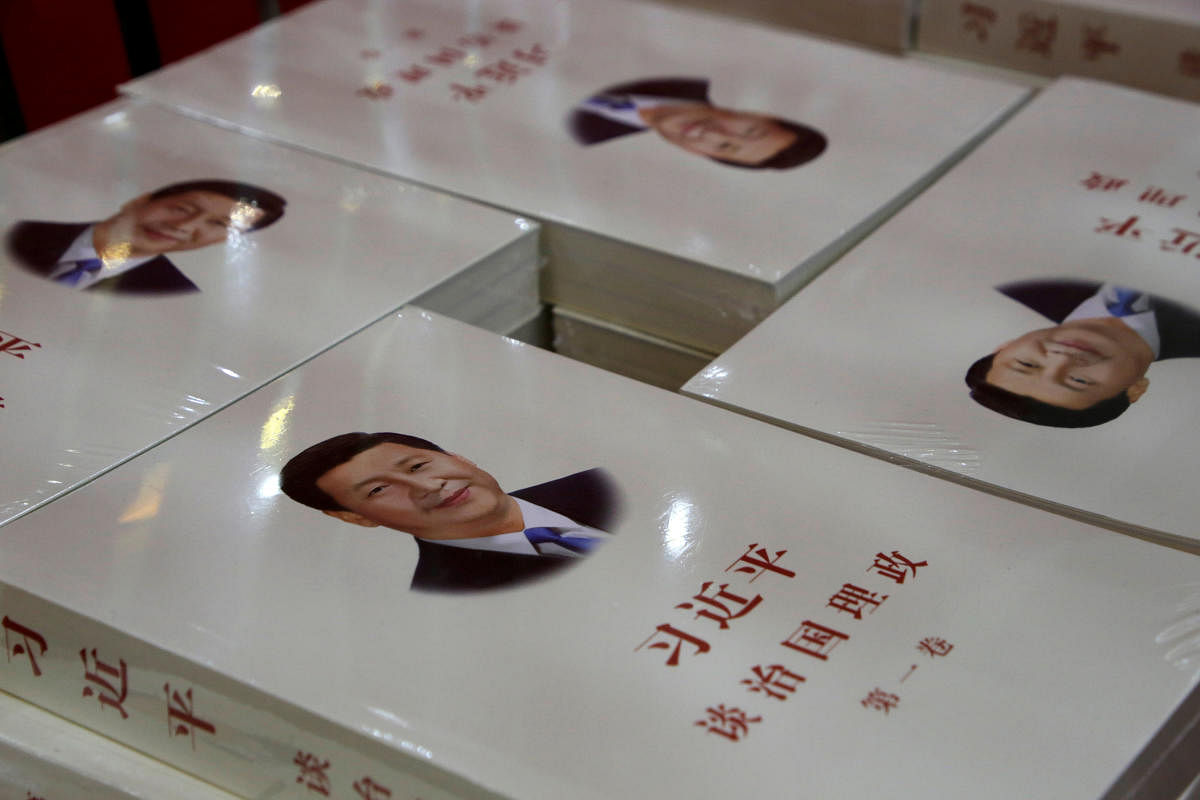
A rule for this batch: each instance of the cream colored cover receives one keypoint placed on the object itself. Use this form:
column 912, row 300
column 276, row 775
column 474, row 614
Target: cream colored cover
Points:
column 90, row 376
column 768, row 612
column 1148, row 44
column 492, row 100
column 1089, row 184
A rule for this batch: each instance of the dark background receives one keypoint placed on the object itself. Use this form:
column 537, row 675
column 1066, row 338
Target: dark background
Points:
column 60, row 57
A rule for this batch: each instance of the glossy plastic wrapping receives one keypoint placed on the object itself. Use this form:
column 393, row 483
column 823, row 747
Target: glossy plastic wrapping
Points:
column 90, row 376
column 490, row 101
column 1089, row 184
column 769, row 611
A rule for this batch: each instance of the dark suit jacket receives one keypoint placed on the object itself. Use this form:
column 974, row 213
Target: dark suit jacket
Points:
column 38, row 246
column 589, row 127
column 589, row 498
column 1178, row 325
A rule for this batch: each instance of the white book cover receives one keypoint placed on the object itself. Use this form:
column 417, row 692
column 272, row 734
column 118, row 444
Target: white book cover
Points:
column 980, row 332
column 155, row 268
column 297, row 596
column 1148, row 44
column 696, row 170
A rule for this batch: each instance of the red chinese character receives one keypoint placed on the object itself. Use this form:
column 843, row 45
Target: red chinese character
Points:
column 732, row 723
column 109, row 693
column 369, row 54
column 934, row 646
column 471, row 94
column 1036, row 34
column 1120, row 228
column 507, row 25
column 880, row 700
column 1158, row 197
column 1103, row 182
column 15, row 346
column 534, row 55
column 29, row 637
column 1094, row 44
column 773, row 681
column 977, row 19
column 680, row 637
column 501, row 72
column 445, row 57
column 370, row 790
column 854, row 599
column 723, row 618
column 760, row 562
column 414, row 74
column 1, row 402
column 181, row 715
column 896, row 566
column 376, row 91
column 312, row 773
column 413, row 34
column 815, row 640
column 475, row 40
column 1189, row 63
column 1184, row 242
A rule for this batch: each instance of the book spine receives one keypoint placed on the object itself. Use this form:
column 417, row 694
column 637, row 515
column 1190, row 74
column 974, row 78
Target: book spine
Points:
column 1048, row 38
column 196, row 720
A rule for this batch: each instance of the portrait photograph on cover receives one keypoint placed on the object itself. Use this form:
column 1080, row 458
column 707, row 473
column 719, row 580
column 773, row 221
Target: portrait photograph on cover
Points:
column 1092, row 365
column 1030, row 322
column 471, row 535
column 126, row 251
column 679, row 110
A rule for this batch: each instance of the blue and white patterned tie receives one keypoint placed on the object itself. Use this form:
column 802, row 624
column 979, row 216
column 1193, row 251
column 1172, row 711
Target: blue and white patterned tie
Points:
column 1122, row 304
column 83, row 267
column 576, row 544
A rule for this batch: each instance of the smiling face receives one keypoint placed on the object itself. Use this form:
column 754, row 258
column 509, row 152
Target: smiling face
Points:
column 429, row 494
column 720, row 133
column 1074, row 365
column 148, row 226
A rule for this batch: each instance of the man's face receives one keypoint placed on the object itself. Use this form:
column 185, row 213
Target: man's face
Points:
column 721, row 133
column 1074, row 365
column 428, row 494
column 178, row 222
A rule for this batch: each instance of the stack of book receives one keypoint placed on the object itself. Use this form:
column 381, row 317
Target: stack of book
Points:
column 686, row 189
column 157, row 268
column 685, row 602
column 1031, row 323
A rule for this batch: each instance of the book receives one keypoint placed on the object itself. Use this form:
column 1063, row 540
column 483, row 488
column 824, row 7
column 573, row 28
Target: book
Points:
column 958, row 338
column 883, row 24
column 751, row 607
column 157, row 268
column 685, row 189
column 624, row 351
column 1146, row 44
column 44, row 757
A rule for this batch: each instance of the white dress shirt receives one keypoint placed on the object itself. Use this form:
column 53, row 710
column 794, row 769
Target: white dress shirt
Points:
column 516, row 542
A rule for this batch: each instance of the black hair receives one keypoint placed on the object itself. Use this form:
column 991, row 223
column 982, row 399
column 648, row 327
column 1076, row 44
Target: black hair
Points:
column 809, row 144
column 1027, row 409
column 298, row 478
column 270, row 204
